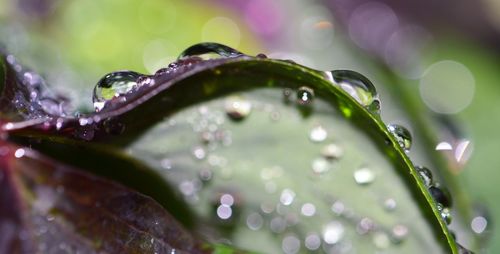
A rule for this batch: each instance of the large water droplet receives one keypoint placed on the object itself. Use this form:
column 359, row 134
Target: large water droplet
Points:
column 237, row 108
column 113, row 85
column 209, row 50
column 358, row 86
column 425, row 174
column 305, row 95
column 441, row 196
column 402, row 135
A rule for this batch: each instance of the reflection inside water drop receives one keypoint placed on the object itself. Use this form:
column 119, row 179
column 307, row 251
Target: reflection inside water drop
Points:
column 358, row 86
column 402, row 135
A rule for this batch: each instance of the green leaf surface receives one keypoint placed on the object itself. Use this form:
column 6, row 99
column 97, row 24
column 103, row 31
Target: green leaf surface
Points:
column 268, row 164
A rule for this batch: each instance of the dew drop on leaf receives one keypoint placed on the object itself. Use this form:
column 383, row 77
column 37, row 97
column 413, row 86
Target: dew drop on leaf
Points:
column 209, row 50
column 318, row 134
column 425, row 174
column 332, row 152
column 364, row 176
column 402, row 135
column 237, row 108
column 333, row 232
column 441, row 196
column 358, row 86
column 305, row 95
column 113, row 85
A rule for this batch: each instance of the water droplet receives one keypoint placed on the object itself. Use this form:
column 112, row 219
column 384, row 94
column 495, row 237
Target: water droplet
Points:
column 305, row 95
column 381, row 240
column 359, row 87
column 227, row 199
column 290, row 244
column 402, row 135
column 364, row 176
column 364, row 226
column 199, row 153
column 209, row 50
column 287, row 197
column 479, row 224
column 320, row 165
column 113, row 85
column 237, row 108
column 277, row 224
column 333, row 232
column 19, row 153
column 425, row 174
column 390, row 204
column 332, row 151
column 261, row 55
column 312, row 241
column 444, row 146
column 446, row 215
column 441, row 196
column 224, row 212
column 318, row 134
column 308, row 209
column 255, row 221
column 205, row 174
column 399, row 233
column 338, row 207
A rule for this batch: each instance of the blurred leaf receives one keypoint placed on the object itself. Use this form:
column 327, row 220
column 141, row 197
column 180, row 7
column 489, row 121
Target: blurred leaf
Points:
column 48, row 207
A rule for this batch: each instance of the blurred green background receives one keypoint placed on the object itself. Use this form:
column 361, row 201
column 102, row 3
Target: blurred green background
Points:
column 434, row 62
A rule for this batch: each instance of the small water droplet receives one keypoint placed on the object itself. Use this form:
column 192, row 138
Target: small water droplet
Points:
column 381, row 240
column 320, row 165
column 479, row 224
column 237, row 108
column 209, row 50
column 290, row 244
column 425, row 174
column 318, row 134
column 444, row 146
column 390, row 204
column 199, row 153
column 446, row 215
column 224, row 212
column 441, row 196
column 332, row 152
column 358, row 86
column 338, row 207
column 261, row 55
column 402, row 135
column 333, row 232
column 255, row 221
column 113, row 85
column 364, row 176
column 364, row 226
column 19, row 153
column 305, row 95
column 312, row 241
column 399, row 233
column 308, row 209
column 277, row 224
column 287, row 197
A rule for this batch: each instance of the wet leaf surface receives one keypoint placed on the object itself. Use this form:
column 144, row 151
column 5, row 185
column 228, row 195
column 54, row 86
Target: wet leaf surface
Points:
column 253, row 146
